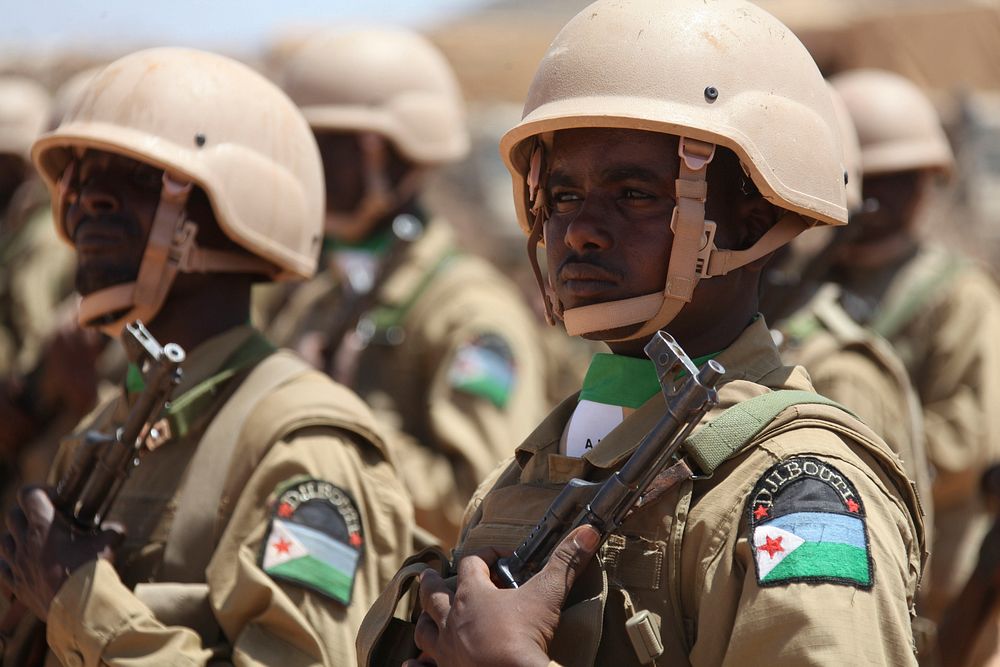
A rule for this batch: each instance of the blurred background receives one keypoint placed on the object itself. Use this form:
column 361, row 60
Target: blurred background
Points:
column 949, row 47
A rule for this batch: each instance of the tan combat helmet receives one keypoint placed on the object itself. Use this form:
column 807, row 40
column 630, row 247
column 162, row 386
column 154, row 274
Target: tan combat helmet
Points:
column 208, row 121
column 386, row 85
column 24, row 112
column 897, row 125
column 68, row 93
column 715, row 73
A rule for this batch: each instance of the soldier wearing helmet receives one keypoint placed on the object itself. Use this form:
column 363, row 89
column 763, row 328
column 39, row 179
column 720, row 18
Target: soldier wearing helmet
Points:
column 436, row 341
column 940, row 311
column 666, row 150
column 846, row 361
column 270, row 515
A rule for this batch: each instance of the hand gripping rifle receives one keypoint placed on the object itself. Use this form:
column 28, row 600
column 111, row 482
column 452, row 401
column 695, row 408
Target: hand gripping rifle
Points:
column 100, row 465
column 604, row 505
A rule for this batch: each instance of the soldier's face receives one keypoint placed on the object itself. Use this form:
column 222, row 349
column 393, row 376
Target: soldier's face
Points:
column 342, row 167
column 111, row 205
column 611, row 197
column 890, row 204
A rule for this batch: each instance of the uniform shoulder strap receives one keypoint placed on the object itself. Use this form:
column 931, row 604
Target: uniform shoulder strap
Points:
column 936, row 272
column 735, row 429
column 191, row 540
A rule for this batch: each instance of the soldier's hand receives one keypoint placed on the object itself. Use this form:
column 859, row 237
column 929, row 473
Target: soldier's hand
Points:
column 41, row 550
column 480, row 624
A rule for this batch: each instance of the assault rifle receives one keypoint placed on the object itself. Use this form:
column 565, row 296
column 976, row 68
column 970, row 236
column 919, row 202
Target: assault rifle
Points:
column 103, row 461
column 605, row 505
column 90, row 486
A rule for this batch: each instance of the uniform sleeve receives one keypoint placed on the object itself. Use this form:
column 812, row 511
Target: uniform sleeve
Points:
column 269, row 620
column 486, row 394
column 819, row 605
column 959, row 385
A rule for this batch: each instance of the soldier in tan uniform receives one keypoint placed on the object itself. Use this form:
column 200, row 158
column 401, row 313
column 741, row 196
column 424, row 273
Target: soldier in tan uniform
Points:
column 801, row 542
column 939, row 310
column 36, row 270
column 269, row 517
column 846, row 362
column 436, row 341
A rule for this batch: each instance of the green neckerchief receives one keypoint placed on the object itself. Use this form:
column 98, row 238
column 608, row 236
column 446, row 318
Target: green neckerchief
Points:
column 185, row 410
column 376, row 244
column 615, row 379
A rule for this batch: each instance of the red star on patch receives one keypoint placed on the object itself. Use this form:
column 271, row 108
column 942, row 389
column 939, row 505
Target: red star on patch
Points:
column 760, row 512
column 772, row 546
column 285, row 510
column 852, row 506
column 282, row 546
column 355, row 539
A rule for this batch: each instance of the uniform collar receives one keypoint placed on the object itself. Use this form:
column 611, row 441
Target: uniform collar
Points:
column 208, row 358
column 753, row 365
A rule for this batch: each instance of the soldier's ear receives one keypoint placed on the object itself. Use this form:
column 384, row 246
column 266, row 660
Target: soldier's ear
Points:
column 754, row 217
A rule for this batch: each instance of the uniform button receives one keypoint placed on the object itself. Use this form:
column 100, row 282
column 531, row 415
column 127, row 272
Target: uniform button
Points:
column 74, row 659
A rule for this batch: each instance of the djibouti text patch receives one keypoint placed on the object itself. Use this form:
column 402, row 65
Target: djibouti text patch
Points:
column 807, row 524
column 314, row 538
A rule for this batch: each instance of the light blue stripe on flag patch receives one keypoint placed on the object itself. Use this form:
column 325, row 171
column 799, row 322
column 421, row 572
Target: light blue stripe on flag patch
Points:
column 325, row 548
column 823, row 527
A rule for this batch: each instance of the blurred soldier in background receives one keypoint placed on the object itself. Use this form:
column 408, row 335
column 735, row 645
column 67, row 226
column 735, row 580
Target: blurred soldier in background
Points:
column 268, row 516
column 36, row 270
column 940, row 311
column 36, row 275
column 846, row 362
column 436, row 341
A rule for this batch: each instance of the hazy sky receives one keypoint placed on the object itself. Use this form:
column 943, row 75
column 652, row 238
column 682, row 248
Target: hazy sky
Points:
column 235, row 24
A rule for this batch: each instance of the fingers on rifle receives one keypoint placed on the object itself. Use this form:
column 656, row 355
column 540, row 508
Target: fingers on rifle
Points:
column 425, row 634
column 568, row 560
column 473, row 572
column 435, row 596
column 34, row 499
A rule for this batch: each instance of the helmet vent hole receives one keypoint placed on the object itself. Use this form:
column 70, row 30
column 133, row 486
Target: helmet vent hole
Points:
column 711, row 94
column 199, row 139
column 847, row 178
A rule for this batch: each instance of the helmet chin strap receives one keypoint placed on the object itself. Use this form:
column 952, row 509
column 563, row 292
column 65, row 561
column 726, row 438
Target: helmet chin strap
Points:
column 379, row 198
column 693, row 255
column 171, row 248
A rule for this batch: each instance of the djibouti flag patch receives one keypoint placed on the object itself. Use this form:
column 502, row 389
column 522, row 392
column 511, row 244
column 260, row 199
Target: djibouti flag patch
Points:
column 484, row 367
column 807, row 524
column 314, row 539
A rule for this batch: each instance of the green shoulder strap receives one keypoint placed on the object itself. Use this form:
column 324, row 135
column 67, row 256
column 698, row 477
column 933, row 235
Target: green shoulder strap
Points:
column 186, row 411
column 734, row 429
column 386, row 317
column 897, row 315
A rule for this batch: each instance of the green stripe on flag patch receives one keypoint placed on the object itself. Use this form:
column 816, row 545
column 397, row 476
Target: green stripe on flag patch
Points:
column 316, row 574
column 821, row 561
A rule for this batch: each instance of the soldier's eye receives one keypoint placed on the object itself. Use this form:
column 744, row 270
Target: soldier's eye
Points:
column 147, row 177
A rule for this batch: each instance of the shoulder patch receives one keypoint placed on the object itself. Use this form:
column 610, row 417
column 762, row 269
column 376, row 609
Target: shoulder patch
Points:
column 807, row 524
column 484, row 366
column 314, row 538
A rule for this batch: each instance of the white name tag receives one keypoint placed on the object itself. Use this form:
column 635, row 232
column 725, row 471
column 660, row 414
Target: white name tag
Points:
column 589, row 424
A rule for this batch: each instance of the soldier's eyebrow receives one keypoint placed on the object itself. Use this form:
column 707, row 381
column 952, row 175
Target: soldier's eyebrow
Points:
column 615, row 174
column 559, row 178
